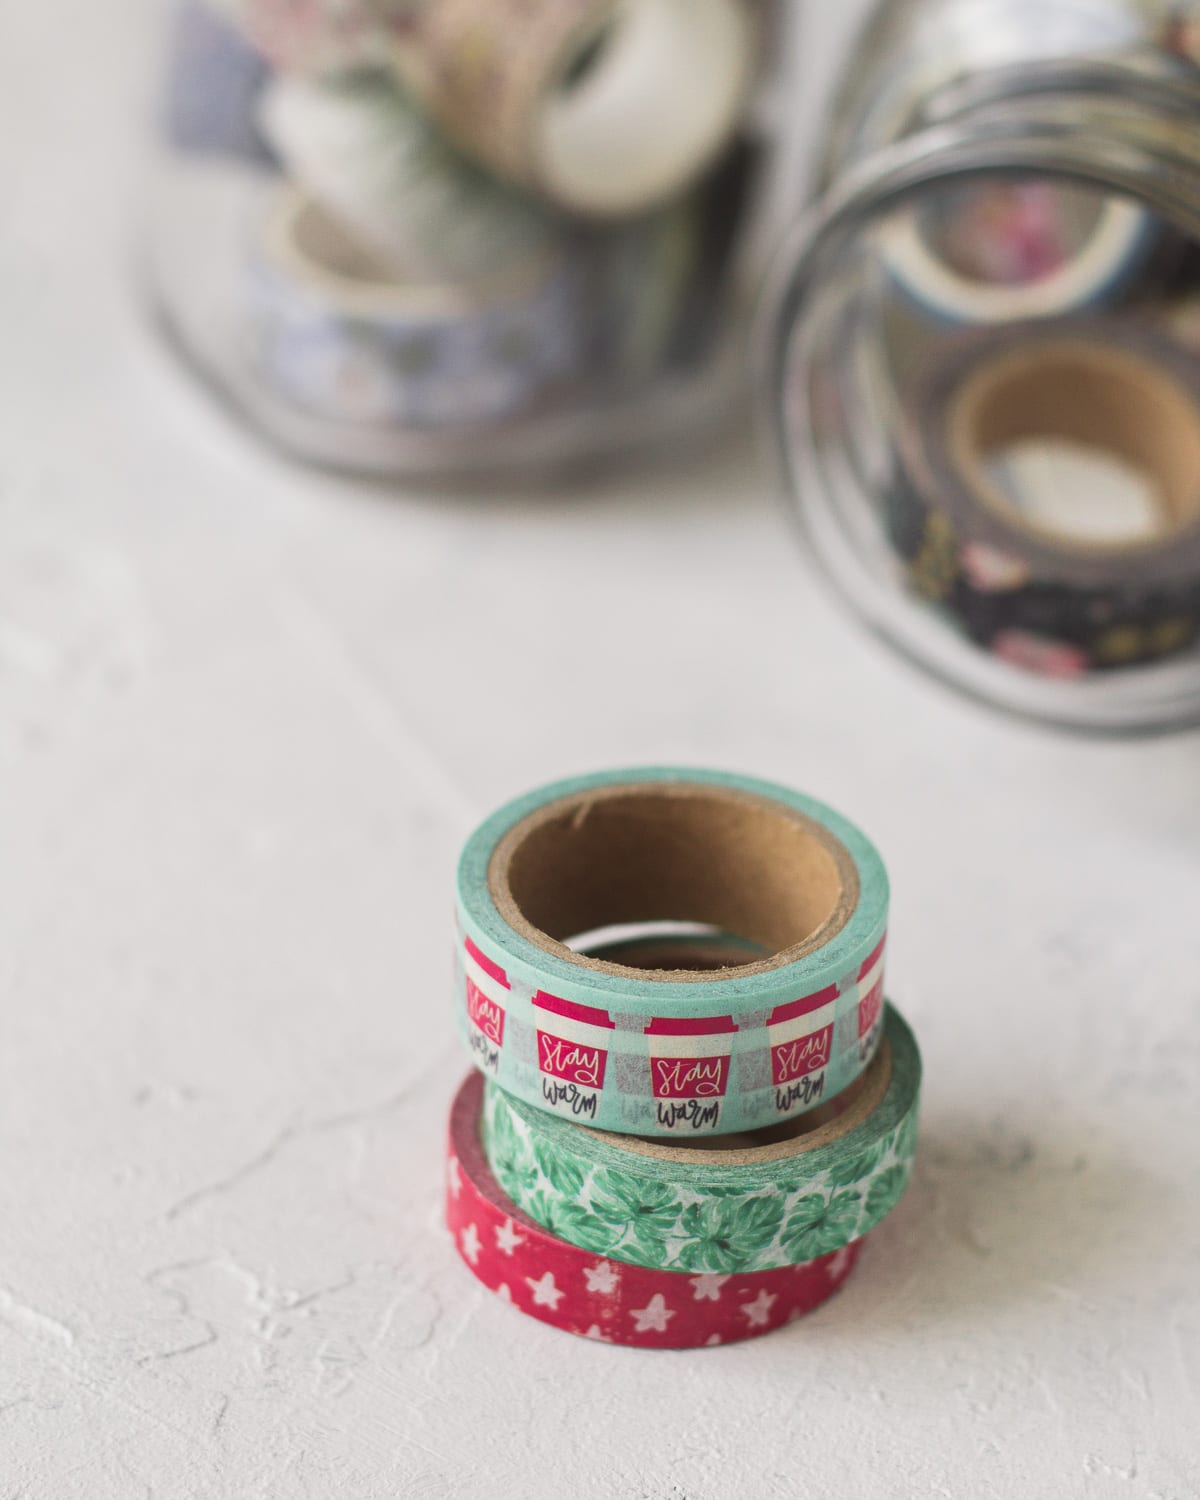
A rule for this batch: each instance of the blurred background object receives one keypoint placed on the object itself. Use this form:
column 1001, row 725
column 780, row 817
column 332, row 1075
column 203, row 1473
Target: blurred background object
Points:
column 982, row 356
column 528, row 236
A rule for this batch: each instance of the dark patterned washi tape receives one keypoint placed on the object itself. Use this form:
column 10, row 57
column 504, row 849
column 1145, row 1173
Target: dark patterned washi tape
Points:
column 1040, row 599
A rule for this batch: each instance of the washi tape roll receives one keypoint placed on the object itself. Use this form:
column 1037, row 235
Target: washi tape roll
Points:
column 341, row 337
column 359, row 148
column 606, row 108
column 549, row 1279
column 751, row 1203
column 215, row 81
column 671, row 1051
column 1059, row 580
column 319, row 36
column 999, row 250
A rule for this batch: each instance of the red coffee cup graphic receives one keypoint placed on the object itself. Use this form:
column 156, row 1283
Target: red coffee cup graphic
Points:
column 487, row 1000
column 689, row 1070
column 572, row 1043
column 801, row 1034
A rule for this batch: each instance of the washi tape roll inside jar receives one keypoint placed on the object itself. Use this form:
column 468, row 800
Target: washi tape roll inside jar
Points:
column 606, row 107
column 752, row 1202
column 318, row 36
column 999, row 249
column 671, row 1051
column 1099, row 571
column 360, row 149
column 558, row 1283
column 340, row 336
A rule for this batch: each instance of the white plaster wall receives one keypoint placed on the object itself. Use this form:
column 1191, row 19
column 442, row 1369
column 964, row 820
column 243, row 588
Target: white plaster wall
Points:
column 246, row 716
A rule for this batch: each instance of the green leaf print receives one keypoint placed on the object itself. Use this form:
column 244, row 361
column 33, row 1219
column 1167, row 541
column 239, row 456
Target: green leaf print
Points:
column 729, row 1234
column 571, row 1222
column 906, row 1138
column 859, row 1167
column 566, row 1173
column 508, row 1153
column 815, row 1227
column 646, row 1210
column 884, row 1192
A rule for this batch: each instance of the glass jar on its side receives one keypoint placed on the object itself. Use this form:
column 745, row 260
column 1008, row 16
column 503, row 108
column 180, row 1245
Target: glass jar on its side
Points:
column 358, row 265
column 983, row 352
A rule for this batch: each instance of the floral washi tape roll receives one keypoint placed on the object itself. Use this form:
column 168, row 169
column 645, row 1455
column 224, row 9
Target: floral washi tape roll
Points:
column 673, row 1050
column 605, row 108
column 340, row 337
column 364, row 153
column 749, row 1204
column 317, row 36
column 998, row 250
column 1057, row 576
column 572, row 1289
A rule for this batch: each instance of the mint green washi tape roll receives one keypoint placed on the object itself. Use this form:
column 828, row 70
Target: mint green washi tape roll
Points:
column 732, row 1205
column 671, row 1051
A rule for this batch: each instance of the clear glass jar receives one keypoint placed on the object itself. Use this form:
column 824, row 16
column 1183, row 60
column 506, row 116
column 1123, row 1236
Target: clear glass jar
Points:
column 371, row 272
column 982, row 351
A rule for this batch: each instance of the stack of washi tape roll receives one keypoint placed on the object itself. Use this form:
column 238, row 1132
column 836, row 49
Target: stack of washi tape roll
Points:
column 693, row 1101
column 480, row 209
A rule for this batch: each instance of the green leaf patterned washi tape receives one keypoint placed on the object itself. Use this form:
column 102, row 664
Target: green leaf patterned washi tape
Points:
column 710, row 1209
column 791, row 1021
column 756, row 1206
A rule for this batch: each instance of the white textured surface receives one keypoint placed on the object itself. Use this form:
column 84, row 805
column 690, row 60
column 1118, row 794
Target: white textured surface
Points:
column 247, row 714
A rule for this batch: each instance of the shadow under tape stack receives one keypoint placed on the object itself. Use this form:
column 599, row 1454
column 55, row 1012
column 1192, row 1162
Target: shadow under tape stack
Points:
column 691, row 1101
column 441, row 236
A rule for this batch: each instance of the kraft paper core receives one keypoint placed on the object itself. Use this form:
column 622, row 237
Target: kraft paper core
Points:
column 317, row 256
column 1103, row 399
column 678, row 851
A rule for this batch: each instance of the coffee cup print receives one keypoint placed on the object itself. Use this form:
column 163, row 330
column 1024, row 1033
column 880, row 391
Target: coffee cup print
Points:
column 487, row 1001
column 801, row 1035
column 572, row 1042
column 870, row 1003
column 689, row 1071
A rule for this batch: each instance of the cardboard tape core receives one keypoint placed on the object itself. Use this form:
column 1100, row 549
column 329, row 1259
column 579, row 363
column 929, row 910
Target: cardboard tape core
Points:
column 1105, row 400
column 680, row 852
column 313, row 250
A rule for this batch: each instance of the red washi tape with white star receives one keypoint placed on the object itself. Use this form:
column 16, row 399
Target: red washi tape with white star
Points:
column 581, row 1293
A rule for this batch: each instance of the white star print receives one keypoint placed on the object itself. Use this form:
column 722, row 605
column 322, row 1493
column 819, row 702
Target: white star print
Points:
column 470, row 1244
column 503, row 1292
column 757, row 1310
column 452, row 1177
column 507, row 1238
column 601, row 1278
column 707, row 1288
column 654, row 1316
column 594, row 1333
column 545, row 1293
column 712, row 1341
column 837, row 1265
